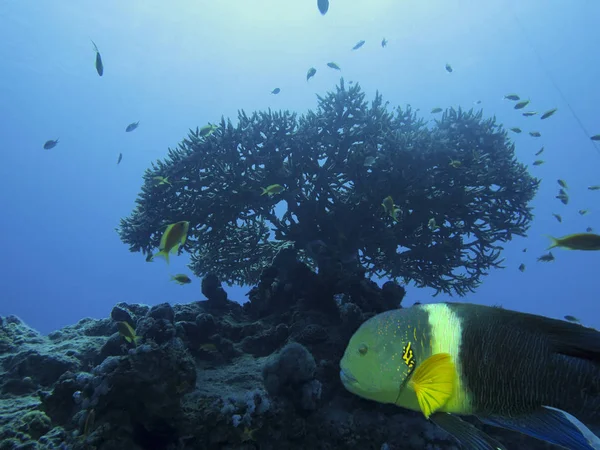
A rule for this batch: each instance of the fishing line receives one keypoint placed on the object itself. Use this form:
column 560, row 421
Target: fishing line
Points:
column 549, row 75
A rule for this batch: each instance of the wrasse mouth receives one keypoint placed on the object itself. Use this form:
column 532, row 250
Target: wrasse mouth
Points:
column 347, row 378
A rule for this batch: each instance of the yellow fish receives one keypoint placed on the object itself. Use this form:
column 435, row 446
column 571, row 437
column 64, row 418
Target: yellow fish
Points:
column 272, row 189
column 127, row 332
column 161, row 180
column 390, row 208
column 173, row 238
column 181, row 278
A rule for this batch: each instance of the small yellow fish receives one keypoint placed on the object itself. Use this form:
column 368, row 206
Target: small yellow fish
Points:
column 535, row 134
column 161, row 180
column 207, row 130
column 272, row 189
column 127, row 332
column 181, row 278
column 548, row 113
column 455, row 163
column 432, row 225
column 583, row 212
column 577, row 241
column 209, row 348
column 174, row 237
column 389, row 207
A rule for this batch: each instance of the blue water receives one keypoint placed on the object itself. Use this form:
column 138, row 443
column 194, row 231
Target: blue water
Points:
column 178, row 66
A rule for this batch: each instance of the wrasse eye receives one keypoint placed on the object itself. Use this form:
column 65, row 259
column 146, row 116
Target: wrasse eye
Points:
column 363, row 349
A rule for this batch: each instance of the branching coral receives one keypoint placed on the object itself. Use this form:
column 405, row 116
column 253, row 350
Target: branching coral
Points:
column 457, row 187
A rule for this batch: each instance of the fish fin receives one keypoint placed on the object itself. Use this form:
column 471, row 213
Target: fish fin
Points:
column 553, row 242
column 550, row 425
column 162, row 254
column 175, row 249
column 264, row 191
column 467, row 434
column 433, row 382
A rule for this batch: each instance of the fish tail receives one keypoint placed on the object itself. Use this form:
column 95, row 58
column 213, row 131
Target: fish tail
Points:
column 553, row 242
column 162, row 254
column 264, row 191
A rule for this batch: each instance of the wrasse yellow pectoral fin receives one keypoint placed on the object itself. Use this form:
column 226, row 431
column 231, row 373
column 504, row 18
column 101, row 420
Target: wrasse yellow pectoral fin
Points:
column 433, row 382
column 550, row 425
column 468, row 435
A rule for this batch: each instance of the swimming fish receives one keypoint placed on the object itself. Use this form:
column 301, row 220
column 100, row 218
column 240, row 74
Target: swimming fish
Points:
column 333, row 66
column 384, row 42
column 449, row 68
column 181, row 278
column 535, row 134
column 127, row 332
column 577, row 241
column 436, row 110
column 572, row 319
column 522, row 104
column 99, row 65
column 524, row 372
column 595, row 137
column 323, row 6
column 538, row 162
column 161, row 180
column 513, row 97
column 132, row 126
column 522, row 267
column 558, row 217
column 548, row 257
column 432, row 225
column 583, row 212
column 50, row 144
column 119, row 158
column 529, row 113
column 539, row 152
column 563, row 196
column 172, row 239
column 589, row 229
column 358, row 45
column 389, row 207
column 311, row 73
column 548, row 113
column 276, row 91
column 207, row 130
column 273, row 189
column 594, row 188
column 515, row 129
column 562, row 183
column 455, row 163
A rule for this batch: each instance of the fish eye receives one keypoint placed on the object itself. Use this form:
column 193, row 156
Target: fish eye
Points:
column 363, row 349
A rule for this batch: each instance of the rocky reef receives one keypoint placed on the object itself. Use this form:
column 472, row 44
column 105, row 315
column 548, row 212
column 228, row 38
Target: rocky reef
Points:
column 212, row 374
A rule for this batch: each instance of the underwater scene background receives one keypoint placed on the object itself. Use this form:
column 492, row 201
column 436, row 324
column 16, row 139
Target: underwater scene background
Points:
column 93, row 96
